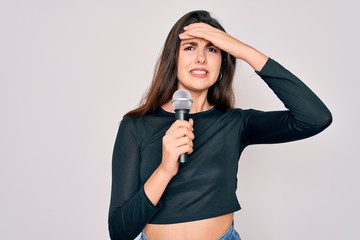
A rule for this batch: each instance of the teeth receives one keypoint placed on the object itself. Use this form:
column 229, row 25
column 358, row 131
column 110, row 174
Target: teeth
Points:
column 199, row 72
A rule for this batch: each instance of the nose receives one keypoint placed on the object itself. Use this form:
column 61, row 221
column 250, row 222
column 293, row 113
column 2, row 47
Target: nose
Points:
column 200, row 58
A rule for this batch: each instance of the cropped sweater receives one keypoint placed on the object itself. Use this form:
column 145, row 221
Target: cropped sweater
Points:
column 205, row 186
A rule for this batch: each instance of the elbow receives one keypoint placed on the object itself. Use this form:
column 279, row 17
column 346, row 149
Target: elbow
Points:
column 117, row 234
column 321, row 121
column 118, row 230
column 314, row 123
column 325, row 120
column 115, row 230
column 328, row 120
column 112, row 233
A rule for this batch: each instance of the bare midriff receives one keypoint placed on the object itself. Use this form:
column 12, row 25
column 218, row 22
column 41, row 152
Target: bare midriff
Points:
column 207, row 229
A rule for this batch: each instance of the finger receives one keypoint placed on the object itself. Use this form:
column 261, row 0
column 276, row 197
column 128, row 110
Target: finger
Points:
column 178, row 146
column 185, row 149
column 216, row 38
column 198, row 25
column 180, row 133
column 193, row 30
column 183, row 141
column 194, row 33
column 185, row 36
column 201, row 27
column 183, row 135
column 206, row 31
column 179, row 124
column 184, row 145
column 191, row 121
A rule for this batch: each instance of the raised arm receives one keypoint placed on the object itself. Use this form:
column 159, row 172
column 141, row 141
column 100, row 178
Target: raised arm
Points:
column 306, row 116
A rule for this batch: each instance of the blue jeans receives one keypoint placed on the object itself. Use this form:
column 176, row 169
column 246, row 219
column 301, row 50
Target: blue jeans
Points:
column 231, row 234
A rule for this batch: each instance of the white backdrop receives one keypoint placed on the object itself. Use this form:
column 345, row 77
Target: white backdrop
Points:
column 69, row 70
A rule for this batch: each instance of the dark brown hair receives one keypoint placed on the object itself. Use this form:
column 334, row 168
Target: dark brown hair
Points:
column 164, row 82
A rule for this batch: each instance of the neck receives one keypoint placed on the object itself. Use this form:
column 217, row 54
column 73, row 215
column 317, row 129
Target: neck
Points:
column 200, row 104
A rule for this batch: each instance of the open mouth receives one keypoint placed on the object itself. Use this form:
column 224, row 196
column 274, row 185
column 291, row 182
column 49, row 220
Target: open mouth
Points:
column 199, row 72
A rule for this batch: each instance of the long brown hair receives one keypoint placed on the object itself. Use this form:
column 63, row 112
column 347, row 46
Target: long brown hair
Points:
column 164, row 82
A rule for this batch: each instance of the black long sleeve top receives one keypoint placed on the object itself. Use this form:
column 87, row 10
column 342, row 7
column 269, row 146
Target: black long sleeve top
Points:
column 204, row 187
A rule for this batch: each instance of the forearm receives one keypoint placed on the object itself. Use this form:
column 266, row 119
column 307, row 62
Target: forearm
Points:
column 177, row 140
column 128, row 217
column 253, row 57
column 156, row 185
column 128, row 220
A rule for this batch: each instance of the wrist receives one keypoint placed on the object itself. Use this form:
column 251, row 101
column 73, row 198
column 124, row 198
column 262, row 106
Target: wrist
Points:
column 156, row 185
column 253, row 57
column 166, row 171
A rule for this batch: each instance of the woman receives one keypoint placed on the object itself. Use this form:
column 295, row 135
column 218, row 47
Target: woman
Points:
column 151, row 191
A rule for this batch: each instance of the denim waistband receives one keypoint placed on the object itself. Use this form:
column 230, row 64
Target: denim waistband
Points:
column 230, row 234
column 143, row 236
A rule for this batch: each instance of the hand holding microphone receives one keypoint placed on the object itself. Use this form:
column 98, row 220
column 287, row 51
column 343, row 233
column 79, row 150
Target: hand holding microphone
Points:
column 181, row 103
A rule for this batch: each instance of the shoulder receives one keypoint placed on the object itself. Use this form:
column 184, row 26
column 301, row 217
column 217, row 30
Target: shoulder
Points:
column 131, row 129
column 239, row 112
column 132, row 123
column 232, row 115
column 146, row 122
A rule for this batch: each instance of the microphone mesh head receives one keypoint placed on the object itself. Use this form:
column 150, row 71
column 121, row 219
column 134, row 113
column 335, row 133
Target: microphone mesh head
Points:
column 181, row 99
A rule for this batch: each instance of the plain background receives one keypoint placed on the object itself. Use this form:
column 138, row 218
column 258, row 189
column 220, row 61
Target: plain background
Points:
column 69, row 70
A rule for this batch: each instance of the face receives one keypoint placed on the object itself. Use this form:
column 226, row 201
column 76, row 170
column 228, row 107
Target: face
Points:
column 198, row 64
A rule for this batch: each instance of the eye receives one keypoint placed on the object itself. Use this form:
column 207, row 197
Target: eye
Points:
column 189, row 48
column 212, row 49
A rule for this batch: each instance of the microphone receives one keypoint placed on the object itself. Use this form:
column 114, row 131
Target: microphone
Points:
column 181, row 103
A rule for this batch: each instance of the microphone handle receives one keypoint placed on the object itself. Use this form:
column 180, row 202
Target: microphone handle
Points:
column 182, row 114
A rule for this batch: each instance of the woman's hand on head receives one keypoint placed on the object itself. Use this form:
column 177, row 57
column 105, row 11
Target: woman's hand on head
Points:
column 226, row 43
column 216, row 36
column 178, row 139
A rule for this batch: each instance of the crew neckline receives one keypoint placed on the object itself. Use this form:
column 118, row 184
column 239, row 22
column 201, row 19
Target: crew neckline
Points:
column 190, row 114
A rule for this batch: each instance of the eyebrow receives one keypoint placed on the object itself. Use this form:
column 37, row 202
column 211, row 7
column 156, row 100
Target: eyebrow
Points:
column 193, row 43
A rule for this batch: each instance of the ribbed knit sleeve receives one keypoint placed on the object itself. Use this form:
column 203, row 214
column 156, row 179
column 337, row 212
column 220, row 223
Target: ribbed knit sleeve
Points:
column 306, row 116
column 130, row 208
